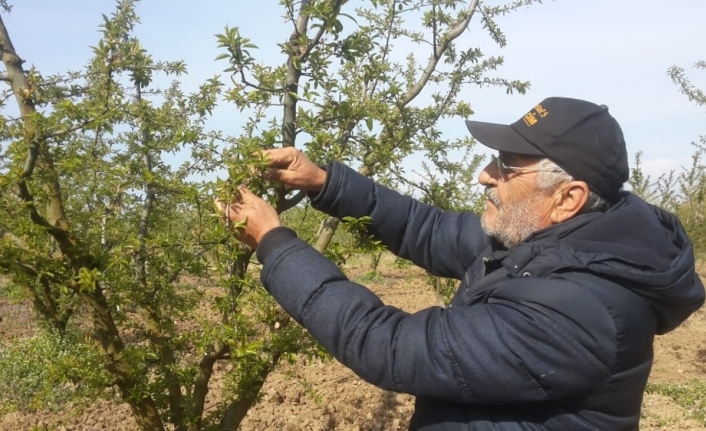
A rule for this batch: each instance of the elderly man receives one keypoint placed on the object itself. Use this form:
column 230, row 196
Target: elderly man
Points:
column 565, row 280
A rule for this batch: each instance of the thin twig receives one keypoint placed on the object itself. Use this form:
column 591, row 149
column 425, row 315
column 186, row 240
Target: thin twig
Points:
column 436, row 55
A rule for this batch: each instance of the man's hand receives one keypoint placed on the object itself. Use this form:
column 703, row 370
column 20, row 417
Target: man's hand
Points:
column 291, row 167
column 259, row 217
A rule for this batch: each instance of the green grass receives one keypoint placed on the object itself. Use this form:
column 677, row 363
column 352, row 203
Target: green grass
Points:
column 370, row 277
column 46, row 371
column 691, row 396
column 10, row 291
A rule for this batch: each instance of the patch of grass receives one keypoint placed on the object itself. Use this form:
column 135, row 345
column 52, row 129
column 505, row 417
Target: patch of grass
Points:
column 371, row 277
column 660, row 421
column 10, row 291
column 401, row 263
column 310, row 389
column 691, row 396
column 47, row 371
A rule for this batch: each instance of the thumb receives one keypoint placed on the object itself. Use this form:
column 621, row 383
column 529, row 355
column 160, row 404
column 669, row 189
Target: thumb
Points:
column 245, row 194
column 225, row 209
column 219, row 204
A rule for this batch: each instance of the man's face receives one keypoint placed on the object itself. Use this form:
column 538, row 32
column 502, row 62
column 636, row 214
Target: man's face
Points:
column 515, row 207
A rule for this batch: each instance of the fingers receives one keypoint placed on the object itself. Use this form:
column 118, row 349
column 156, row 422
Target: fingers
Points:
column 248, row 216
column 292, row 168
column 236, row 197
column 281, row 175
column 231, row 210
column 219, row 204
column 246, row 196
column 281, row 157
column 225, row 209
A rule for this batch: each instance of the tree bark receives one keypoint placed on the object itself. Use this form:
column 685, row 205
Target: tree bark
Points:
column 106, row 334
column 203, row 377
column 326, row 232
column 58, row 227
column 23, row 91
column 152, row 319
column 235, row 413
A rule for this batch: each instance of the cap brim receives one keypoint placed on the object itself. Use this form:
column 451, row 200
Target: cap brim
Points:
column 501, row 137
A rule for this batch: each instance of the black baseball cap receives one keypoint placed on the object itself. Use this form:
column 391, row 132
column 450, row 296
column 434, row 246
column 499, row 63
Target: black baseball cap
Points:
column 579, row 136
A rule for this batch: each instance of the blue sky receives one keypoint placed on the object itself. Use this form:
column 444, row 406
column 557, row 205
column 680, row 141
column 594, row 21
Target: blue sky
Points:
column 612, row 52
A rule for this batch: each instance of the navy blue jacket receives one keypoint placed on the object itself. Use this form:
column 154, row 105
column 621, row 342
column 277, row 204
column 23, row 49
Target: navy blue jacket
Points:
column 556, row 334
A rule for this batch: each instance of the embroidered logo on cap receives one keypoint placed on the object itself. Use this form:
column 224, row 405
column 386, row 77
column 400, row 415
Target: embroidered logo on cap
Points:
column 535, row 115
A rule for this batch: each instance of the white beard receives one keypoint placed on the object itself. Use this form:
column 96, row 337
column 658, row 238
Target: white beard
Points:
column 512, row 224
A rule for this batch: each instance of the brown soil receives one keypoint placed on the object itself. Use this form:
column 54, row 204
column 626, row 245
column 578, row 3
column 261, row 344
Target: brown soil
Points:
column 323, row 395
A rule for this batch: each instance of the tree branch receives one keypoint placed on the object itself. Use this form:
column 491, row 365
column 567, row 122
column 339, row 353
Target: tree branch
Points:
column 290, row 96
column 168, row 366
column 292, row 79
column 14, row 239
column 494, row 31
column 143, row 227
column 236, row 411
column 108, row 337
column 203, row 376
column 175, row 274
column 386, row 49
column 245, row 81
column 436, row 55
column 315, row 41
column 435, row 29
column 63, row 239
column 81, row 125
column 154, row 329
column 48, row 307
column 56, row 223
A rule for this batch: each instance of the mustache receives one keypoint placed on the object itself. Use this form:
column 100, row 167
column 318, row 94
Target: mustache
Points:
column 492, row 194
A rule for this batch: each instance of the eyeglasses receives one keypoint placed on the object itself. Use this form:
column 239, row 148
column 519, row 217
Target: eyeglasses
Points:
column 504, row 170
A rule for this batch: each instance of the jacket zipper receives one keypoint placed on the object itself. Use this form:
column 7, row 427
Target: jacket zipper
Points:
column 485, row 266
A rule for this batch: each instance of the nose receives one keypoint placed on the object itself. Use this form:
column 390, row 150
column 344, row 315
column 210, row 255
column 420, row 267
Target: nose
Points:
column 488, row 176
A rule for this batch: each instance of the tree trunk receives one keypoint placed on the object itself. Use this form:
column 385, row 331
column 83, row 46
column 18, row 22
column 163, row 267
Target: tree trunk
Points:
column 239, row 408
column 106, row 334
column 326, row 232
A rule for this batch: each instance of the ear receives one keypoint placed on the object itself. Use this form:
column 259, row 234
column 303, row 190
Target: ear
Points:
column 569, row 200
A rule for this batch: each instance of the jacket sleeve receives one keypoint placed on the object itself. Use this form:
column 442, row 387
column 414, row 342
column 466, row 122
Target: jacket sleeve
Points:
column 499, row 352
column 445, row 243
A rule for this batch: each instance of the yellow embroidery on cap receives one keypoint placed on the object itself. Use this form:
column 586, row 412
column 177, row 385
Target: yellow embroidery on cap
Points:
column 541, row 111
column 530, row 119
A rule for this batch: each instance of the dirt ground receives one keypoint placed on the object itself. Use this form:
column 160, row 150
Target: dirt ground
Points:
column 323, row 395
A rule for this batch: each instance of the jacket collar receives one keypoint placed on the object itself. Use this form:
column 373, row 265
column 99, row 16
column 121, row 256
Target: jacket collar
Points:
column 543, row 252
